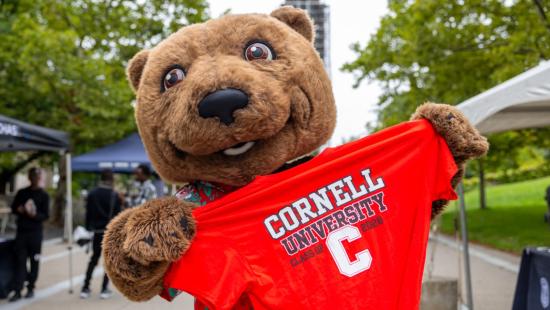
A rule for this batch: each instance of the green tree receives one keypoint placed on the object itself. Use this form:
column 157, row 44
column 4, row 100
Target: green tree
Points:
column 449, row 51
column 62, row 63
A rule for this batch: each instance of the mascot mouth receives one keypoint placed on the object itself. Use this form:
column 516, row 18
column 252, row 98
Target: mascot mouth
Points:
column 239, row 149
column 235, row 150
column 177, row 151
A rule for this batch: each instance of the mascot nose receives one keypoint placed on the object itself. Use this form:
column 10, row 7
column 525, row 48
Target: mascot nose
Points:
column 222, row 103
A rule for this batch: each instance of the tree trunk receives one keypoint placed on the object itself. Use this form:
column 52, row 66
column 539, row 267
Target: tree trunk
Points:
column 482, row 201
column 5, row 179
column 7, row 174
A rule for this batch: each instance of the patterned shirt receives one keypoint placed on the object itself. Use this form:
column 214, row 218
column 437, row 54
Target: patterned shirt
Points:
column 142, row 192
column 199, row 193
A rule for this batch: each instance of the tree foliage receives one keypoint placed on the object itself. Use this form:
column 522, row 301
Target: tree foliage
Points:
column 62, row 63
column 449, row 51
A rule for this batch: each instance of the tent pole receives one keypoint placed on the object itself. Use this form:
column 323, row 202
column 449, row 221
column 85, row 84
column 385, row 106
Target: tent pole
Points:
column 466, row 252
column 69, row 218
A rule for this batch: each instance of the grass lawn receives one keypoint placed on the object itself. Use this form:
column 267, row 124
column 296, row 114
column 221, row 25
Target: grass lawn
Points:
column 514, row 218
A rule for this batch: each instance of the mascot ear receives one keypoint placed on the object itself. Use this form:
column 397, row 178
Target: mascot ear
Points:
column 296, row 19
column 135, row 68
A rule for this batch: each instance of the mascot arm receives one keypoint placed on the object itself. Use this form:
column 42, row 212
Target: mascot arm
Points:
column 463, row 139
column 140, row 243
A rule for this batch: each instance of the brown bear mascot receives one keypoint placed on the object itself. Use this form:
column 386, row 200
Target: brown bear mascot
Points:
column 220, row 103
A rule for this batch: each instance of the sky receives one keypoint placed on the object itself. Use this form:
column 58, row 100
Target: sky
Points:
column 351, row 21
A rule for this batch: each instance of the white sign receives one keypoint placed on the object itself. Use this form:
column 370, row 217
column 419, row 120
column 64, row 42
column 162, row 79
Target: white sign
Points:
column 544, row 293
column 7, row 129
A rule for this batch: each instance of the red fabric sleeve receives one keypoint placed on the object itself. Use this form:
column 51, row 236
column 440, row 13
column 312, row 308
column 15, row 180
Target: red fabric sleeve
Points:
column 445, row 170
column 212, row 272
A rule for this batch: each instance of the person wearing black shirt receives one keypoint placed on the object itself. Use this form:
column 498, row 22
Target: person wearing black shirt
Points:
column 30, row 205
column 102, row 205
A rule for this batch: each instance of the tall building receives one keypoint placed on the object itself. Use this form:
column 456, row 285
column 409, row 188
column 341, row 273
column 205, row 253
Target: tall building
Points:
column 320, row 13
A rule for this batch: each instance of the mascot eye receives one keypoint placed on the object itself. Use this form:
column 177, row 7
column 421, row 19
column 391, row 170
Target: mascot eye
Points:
column 173, row 77
column 258, row 50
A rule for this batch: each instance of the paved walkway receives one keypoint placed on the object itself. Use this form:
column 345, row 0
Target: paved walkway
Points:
column 493, row 272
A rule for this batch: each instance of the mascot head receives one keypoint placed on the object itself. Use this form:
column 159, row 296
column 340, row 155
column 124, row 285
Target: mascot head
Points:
column 233, row 98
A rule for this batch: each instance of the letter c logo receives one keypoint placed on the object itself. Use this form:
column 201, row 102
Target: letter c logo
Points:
column 346, row 266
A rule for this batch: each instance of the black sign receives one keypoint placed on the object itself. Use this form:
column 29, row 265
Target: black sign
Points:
column 7, row 266
column 16, row 135
column 533, row 286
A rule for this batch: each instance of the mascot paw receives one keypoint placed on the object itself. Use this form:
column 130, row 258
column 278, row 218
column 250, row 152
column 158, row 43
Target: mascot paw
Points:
column 160, row 230
column 464, row 141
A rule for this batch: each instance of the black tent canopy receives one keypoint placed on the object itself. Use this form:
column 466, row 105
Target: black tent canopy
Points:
column 19, row 136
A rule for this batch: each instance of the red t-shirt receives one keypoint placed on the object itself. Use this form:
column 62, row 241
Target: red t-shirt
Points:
column 345, row 230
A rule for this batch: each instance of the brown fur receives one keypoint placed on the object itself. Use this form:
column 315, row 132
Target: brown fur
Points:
column 140, row 243
column 291, row 112
column 463, row 139
column 135, row 68
column 297, row 19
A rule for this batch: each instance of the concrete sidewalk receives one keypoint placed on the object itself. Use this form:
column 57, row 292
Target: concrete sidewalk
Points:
column 494, row 280
column 494, row 273
column 52, row 287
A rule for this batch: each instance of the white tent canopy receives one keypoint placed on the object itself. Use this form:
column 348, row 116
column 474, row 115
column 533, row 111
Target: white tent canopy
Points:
column 521, row 102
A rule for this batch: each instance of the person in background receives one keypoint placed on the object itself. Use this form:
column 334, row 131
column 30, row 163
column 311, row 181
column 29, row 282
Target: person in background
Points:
column 31, row 206
column 142, row 189
column 103, row 203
